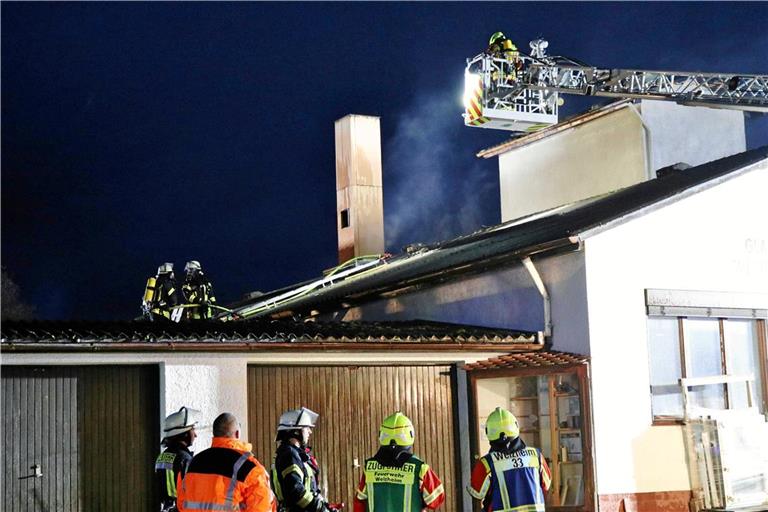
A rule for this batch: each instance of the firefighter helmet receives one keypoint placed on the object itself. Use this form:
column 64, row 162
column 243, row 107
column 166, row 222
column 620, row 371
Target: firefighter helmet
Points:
column 396, row 428
column 297, row 418
column 501, row 422
column 192, row 265
column 179, row 422
column 496, row 37
column 165, row 268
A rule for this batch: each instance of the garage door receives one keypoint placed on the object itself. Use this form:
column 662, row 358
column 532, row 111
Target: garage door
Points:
column 352, row 401
column 79, row 438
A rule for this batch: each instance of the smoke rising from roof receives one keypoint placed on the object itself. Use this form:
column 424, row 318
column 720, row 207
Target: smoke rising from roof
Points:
column 435, row 188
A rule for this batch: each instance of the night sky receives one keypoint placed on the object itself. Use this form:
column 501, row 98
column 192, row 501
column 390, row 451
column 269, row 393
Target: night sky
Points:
column 138, row 133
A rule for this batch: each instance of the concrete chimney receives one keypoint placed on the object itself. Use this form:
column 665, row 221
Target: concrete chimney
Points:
column 359, row 193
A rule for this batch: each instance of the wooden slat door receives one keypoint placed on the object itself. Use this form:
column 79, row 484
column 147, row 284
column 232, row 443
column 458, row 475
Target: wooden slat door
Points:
column 91, row 429
column 352, row 401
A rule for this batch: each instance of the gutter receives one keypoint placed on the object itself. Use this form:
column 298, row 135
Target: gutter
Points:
column 544, row 295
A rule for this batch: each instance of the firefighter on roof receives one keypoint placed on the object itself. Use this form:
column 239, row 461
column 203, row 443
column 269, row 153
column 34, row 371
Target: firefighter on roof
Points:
column 510, row 476
column 161, row 294
column 295, row 472
column 395, row 480
column 171, row 465
column 198, row 292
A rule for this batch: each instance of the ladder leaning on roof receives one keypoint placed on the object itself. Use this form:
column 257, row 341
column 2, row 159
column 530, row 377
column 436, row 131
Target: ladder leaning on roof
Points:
column 522, row 93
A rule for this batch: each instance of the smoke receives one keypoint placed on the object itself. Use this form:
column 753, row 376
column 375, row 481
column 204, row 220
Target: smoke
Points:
column 435, row 188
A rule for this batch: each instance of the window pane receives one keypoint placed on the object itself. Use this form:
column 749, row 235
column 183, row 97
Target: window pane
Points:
column 702, row 348
column 742, row 358
column 665, row 367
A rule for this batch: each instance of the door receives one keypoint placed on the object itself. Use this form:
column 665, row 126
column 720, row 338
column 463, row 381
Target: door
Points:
column 352, row 401
column 79, row 438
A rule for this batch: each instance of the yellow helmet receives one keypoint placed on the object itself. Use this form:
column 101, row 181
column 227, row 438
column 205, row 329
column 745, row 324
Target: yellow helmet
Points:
column 398, row 428
column 496, row 37
column 501, row 421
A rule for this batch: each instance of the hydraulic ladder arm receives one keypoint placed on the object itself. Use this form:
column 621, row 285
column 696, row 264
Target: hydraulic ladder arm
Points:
column 522, row 94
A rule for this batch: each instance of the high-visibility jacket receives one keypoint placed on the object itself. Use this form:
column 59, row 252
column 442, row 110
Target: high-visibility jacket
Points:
column 411, row 487
column 170, row 467
column 295, row 479
column 166, row 296
column 511, row 481
column 226, row 477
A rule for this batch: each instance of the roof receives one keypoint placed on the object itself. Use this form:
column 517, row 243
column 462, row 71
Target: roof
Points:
column 554, row 129
column 540, row 359
column 257, row 335
column 558, row 229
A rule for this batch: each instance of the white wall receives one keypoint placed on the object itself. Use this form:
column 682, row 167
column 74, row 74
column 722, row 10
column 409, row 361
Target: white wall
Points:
column 217, row 382
column 708, row 133
column 565, row 278
column 600, row 156
column 715, row 241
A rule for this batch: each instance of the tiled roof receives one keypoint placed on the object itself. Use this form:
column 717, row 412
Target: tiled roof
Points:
column 15, row 335
column 529, row 360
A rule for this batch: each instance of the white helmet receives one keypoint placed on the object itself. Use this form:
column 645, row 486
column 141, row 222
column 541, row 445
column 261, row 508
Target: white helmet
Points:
column 296, row 419
column 192, row 265
column 165, row 268
column 179, row 422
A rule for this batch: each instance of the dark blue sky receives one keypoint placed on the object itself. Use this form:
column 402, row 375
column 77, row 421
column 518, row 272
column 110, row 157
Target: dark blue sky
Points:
column 137, row 133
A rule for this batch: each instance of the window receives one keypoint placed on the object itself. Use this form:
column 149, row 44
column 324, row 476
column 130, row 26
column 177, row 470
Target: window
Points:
column 344, row 218
column 691, row 341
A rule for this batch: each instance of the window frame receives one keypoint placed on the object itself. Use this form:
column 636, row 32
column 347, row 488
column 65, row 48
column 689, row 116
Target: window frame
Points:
column 684, row 305
column 585, row 382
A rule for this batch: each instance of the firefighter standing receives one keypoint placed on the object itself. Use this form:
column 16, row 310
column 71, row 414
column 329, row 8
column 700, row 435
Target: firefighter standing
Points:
column 161, row 294
column 502, row 48
column 295, row 472
column 510, row 476
column 395, row 480
column 226, row 476
column 198, row 292
column 171, row 465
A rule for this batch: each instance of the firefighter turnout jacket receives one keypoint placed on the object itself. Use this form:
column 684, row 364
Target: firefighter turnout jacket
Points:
column 166, row 296
column 295, row 479
column 411, row 487
column 226, row 477
column 198, row 295
column 512, row 480
column 170, row 467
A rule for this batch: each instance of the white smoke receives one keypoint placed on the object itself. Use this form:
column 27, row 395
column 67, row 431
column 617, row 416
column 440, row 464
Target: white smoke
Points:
column 435, row 188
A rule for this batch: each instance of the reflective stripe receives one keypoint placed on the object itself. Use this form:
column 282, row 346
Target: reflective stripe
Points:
column 361, row 495
column 407, row 492
column 164, row 465
column 305, row 499
column 293, row 468
column 371, row 497
column 205, row 505
column 170, row 483
column 276, row 485
column 428, row 499
column 233, row 481
column 502, row 486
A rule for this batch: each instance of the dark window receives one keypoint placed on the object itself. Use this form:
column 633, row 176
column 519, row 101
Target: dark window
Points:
column 345, row 218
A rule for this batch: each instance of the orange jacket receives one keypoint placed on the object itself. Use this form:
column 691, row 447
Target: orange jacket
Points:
column 226, row 477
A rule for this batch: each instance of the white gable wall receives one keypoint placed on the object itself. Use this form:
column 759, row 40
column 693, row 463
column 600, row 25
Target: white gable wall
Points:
column 714, row 240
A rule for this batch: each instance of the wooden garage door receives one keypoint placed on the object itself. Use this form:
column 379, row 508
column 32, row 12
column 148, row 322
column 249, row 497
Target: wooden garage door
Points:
column 352, row 401
column 92, row 430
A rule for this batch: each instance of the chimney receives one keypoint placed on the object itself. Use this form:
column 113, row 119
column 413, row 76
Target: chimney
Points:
column 359, row 193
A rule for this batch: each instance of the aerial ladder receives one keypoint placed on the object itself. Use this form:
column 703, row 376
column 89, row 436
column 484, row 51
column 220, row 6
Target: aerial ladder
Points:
column 522, row 93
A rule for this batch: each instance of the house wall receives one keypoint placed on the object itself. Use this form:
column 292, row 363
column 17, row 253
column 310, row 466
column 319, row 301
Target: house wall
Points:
column 217, row 382
column 612, row 152
column 710, row 133
column 714, row 240
column 600, row 156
